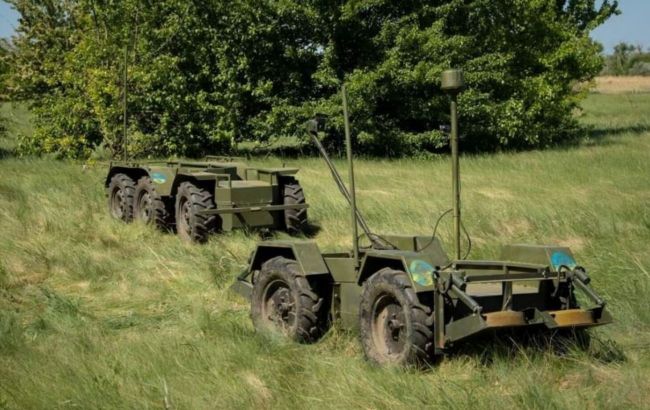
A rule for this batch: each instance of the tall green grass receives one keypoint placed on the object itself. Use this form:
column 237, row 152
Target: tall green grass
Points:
column 98, row 314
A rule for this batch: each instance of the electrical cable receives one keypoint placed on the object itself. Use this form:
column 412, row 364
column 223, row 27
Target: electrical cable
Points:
column 435, row 230
column 375, row 244
column 469, row 241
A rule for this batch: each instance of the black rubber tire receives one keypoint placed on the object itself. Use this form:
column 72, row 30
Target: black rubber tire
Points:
column 402, row 311
column 190, row 225
column 121, row 190
column 279, row 274
column 295, row 220
column 151, row 208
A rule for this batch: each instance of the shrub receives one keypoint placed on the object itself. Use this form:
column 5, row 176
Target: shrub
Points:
column 204, row 75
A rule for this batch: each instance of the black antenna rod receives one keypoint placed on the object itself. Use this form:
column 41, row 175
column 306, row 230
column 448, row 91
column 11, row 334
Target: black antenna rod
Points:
column 352, row 192
column 313, row 132
column 124, row 102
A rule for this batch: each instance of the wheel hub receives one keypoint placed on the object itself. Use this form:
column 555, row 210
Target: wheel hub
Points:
column 395, row 326
column 117, row 203
column 145, row 206
column 388, row 326
column 279, row 305
column 185, row 217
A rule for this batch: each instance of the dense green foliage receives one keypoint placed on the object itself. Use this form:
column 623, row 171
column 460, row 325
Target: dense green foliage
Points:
column 4, row 72
column 627, row 59
column 98, row 314
column 5, row 51
column 205, row 74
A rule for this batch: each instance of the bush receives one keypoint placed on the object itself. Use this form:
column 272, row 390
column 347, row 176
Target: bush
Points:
column 627, row 59
column 204, row 76
column 640, row 68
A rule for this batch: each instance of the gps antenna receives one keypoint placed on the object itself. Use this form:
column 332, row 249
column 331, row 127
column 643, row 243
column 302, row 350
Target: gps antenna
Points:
column 453, row 82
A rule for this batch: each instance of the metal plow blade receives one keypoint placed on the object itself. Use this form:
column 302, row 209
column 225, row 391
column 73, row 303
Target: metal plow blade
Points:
column 551, row 305
column 534, row 318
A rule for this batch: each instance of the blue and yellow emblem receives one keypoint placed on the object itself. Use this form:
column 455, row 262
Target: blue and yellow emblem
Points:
column 158, row 178
column 421, row 272
column 560, row 258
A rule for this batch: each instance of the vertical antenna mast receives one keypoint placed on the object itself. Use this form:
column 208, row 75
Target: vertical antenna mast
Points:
column 124, row 102
column 453, row 82
column 353, row 194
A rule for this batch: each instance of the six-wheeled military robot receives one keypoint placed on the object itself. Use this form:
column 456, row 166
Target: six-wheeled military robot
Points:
column 198, row 198
column 408, row 299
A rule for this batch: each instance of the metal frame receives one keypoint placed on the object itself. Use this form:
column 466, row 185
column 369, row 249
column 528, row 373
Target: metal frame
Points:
column 265, row 208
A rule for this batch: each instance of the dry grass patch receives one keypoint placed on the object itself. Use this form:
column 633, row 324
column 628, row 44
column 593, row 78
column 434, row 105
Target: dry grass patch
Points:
column 620, row 85
column 576, row 243
column 496, row 193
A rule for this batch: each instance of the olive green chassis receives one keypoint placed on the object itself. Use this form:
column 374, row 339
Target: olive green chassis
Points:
column 469, row 297
column 244, row 196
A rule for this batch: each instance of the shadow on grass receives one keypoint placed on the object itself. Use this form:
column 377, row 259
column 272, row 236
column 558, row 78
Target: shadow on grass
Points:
column 6, row 153
column 602, row 132
column 311, row 230
column 490, row 349
column 599, row 137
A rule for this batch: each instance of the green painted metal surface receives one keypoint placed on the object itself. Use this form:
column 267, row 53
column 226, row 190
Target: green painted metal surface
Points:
column 476, row 291
column 531, row 286
column 244, row 197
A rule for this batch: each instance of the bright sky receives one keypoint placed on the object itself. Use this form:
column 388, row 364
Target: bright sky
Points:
column 633, row 26
column 8, row 19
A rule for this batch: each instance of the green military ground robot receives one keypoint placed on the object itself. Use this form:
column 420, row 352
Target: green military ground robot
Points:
column 199, row 198
column 410, row 301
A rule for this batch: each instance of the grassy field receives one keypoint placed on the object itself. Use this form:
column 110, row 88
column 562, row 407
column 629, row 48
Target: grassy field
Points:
column 98, row 314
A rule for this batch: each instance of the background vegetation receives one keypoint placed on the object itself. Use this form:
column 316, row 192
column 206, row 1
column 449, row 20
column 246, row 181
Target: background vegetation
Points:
column 98, row 314
column 4, row 71
column 207, row 74
column 627, row 59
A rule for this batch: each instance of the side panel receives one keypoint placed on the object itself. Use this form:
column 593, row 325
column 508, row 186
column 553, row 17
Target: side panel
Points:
column 548, row 255
column 163, row 179
column 231, row 194
column 166, row 178
column 341, row 268
column 132, row 170
column 374, row 261
column 310, row 258
column 420, row 267
column 306, row 253
column 346, row 295
column 260, row 219
column 421, row 244
column 269, row 175
column 350, row 295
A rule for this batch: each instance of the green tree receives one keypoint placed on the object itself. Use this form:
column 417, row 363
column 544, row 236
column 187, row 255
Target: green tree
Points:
column 521, row 57
column 5, row 50
column 204, row 74
column 627, row 59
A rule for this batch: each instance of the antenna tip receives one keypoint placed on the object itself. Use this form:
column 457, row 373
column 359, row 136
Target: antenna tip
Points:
column 452, row 81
